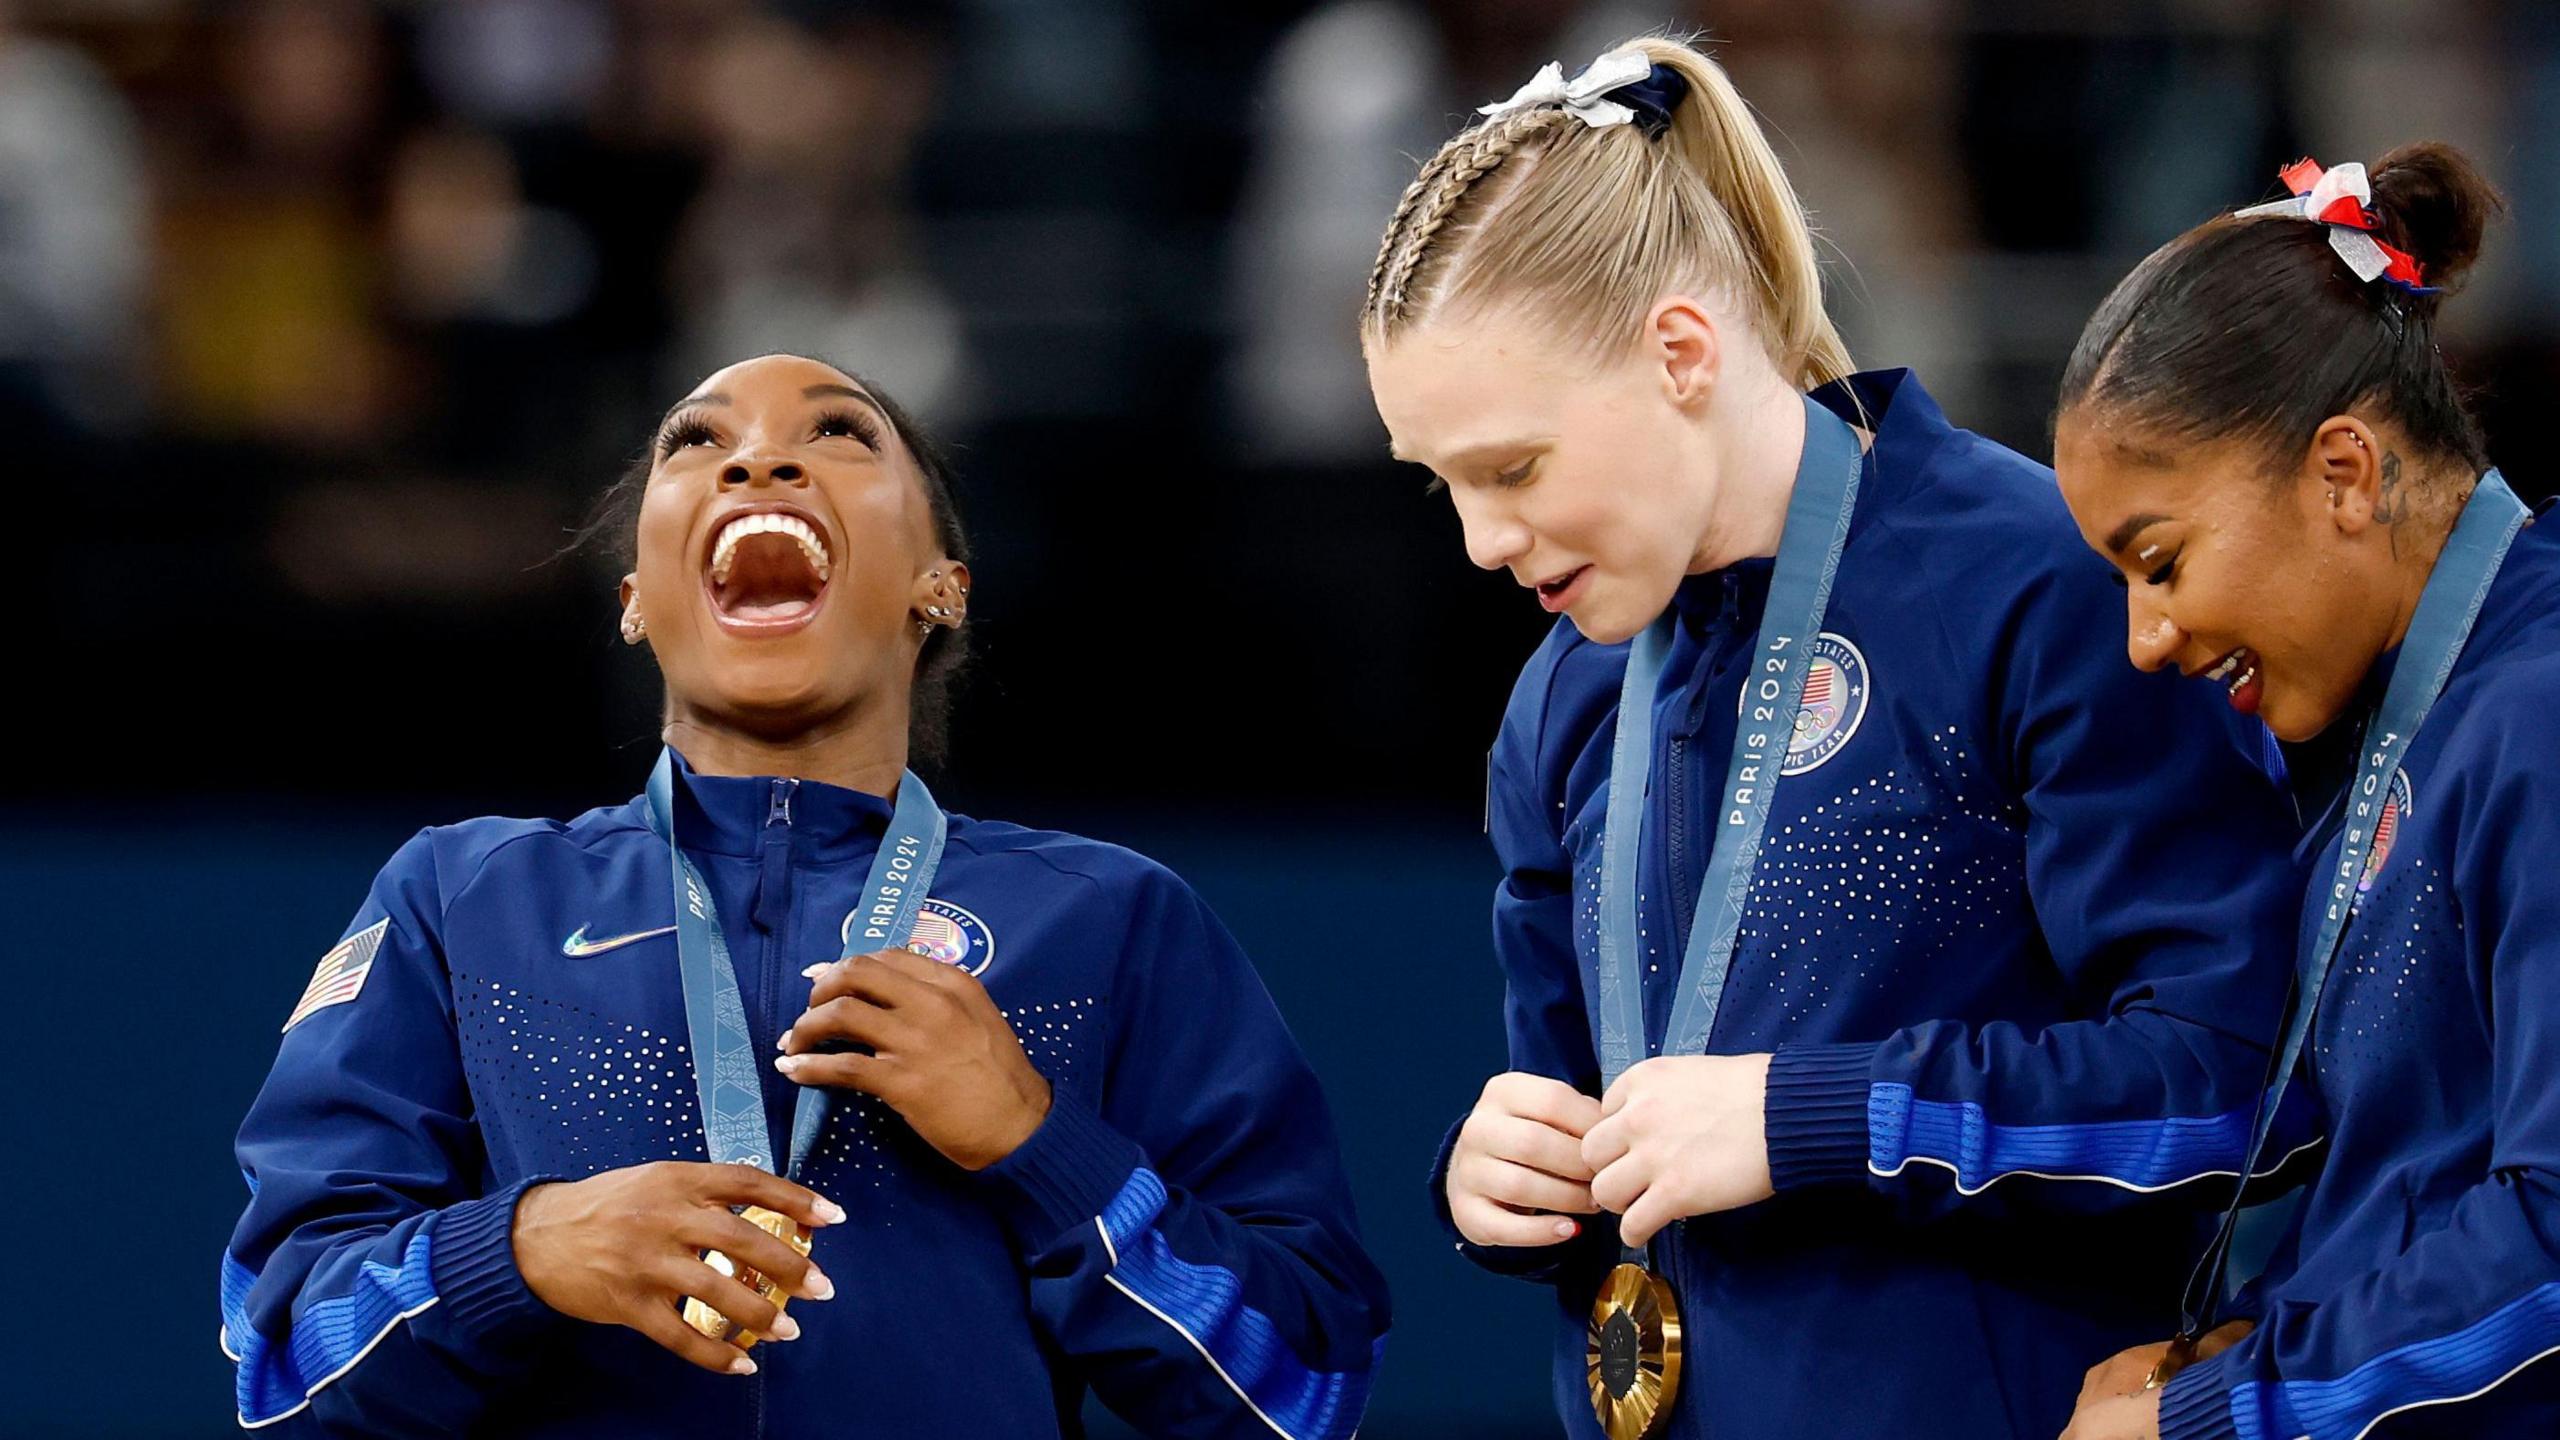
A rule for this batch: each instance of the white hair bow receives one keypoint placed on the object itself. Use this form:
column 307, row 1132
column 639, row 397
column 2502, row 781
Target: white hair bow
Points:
column 1585, row 96
column 2338, row 199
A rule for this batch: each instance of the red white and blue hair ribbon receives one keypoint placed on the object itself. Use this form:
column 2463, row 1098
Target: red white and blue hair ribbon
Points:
column 2342, row 200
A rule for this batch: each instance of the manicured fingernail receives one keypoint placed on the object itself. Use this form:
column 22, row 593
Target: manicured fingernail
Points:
column 814, row 971
column 786, row 1063
column 1566, row 1229
column 782, row 1041
column 819, row 1286
column 785, row 1328
column 829, row 1212
column 742, row 1366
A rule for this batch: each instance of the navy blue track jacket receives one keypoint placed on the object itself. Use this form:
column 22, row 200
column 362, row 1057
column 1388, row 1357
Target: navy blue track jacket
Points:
column 1177, row 1236
column 2422, row 1283
column 2018, row 938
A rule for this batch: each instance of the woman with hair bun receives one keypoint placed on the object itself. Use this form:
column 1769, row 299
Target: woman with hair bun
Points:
column 2257, row 428
column 1862, row 954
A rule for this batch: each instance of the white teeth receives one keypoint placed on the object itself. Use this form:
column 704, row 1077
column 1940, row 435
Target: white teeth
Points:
column 724, row 548
column 2223, row 670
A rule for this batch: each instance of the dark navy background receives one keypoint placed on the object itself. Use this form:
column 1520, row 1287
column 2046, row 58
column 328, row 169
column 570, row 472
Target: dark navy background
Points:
column 151, row 961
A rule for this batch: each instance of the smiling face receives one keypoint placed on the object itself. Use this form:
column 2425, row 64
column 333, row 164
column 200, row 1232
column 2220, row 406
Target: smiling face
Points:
column 786, row 550
column 1593, row 486
column 2280, row 588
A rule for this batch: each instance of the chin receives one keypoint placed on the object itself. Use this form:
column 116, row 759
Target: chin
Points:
column 2295, row 724
column 774, row 700
column 1608, row 618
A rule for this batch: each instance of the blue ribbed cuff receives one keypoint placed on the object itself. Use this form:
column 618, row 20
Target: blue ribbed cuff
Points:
column 1816, row 1114
column 472, row 1261
column 2196, row 1405
column 1439, row 1183
column 1061, row 1177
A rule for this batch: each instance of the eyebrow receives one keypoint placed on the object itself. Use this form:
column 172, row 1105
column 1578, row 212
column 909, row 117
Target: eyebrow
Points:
column 809, row 392
column 1482, row 447
column 707, row 397
column 2123, row 534
column 812, row 392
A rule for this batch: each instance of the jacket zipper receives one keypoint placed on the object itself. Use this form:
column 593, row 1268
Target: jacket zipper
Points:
column 773, row 916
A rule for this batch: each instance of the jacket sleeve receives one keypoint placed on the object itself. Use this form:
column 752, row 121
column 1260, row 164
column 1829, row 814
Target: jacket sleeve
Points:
column 1189, row 1239
column 1545, row 1024
column 371, row 1287
column 2463, row 1310
column 2159, row 860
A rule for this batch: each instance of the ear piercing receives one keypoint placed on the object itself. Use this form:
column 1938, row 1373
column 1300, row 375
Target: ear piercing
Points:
column 635, row 626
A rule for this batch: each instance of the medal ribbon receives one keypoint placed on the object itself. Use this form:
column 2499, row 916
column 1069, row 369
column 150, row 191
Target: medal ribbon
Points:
column 1826, row 493
column 2446, row 609
column 726, row 1069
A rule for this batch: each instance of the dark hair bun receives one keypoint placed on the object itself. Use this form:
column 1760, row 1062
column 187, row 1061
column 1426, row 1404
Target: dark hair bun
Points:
column 2434, row 203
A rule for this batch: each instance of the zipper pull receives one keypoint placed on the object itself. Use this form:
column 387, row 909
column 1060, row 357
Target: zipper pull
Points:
column 773, row 885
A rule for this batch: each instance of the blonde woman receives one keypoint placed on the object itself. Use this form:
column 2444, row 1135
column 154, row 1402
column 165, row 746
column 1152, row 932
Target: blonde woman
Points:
column 1893, row 962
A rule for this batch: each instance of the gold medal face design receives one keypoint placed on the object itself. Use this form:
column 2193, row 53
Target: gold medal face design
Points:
column 718, row 1326
column 1633, row 1353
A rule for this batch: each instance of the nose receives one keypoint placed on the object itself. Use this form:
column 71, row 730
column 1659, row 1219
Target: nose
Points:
column 749, row 469
column 1494, row 540
column 2151, row 637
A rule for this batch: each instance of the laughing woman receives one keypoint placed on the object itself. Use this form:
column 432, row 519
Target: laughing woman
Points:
column 496, row 1174
column 2258, row 430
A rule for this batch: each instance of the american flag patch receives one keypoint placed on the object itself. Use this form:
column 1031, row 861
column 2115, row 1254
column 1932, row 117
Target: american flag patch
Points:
column 340, row 973
column 1817, row 683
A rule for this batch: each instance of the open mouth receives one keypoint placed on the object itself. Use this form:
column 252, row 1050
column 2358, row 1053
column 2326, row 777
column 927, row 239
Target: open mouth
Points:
column 2238, row 674
column 768, row 571
column 1560, row 592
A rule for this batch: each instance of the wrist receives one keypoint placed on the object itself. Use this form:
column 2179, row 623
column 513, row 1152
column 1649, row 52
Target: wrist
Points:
column 1023, row 1123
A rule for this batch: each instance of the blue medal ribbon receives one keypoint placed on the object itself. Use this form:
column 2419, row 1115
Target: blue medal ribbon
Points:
column 1817, row 528
column 2447, row 607
column 727, row 1071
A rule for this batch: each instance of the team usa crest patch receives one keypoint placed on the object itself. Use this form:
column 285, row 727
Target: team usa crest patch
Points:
column 2395, row 813
column 1836, row 690
column 947, row 933
column 340, row 975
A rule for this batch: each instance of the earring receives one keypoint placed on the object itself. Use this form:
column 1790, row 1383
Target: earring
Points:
column 635, row 626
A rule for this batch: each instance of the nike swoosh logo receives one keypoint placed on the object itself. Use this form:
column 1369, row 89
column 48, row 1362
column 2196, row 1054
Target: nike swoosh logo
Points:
column 578, row 946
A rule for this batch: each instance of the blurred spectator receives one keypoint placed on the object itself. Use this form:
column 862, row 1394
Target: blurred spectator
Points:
column 270, row 285
column 1356, row 95
column 73, row 253
column 802, row 237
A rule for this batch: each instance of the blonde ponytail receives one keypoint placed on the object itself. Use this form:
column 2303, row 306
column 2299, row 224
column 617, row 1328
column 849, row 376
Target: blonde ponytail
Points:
column 1587, row 228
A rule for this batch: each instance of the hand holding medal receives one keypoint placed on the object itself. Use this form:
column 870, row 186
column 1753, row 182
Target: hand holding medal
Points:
column 625, row 1247
column 2122, row 1392
column 941, row 1054
column 1680, row 1135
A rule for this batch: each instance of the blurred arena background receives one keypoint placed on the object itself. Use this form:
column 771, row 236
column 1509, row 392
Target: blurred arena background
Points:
column 323, row 322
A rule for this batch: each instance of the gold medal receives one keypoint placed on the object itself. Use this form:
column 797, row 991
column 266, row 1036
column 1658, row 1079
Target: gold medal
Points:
column 1633, row 1353
column 718, row 1326
column 2180, row 1354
